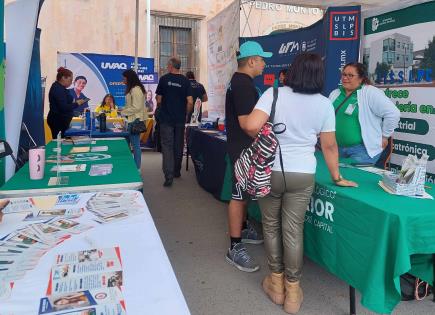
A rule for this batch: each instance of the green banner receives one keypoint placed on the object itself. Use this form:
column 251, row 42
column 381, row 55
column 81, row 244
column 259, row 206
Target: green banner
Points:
column 415, row 14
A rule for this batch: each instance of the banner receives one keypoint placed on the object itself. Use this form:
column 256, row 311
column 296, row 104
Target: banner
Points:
column 335, row 38
column 223, row 42
column 19, row 38
column 399, row 50
column 259, row 18
column 104, row 74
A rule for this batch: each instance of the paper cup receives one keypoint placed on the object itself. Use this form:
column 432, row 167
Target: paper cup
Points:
column 37, row 163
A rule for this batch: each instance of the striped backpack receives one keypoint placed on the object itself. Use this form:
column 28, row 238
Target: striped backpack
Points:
column 254, row 166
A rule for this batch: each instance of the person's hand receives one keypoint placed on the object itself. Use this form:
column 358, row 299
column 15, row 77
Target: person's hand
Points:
column 345, row 183
column 3, row 204
column 80, row 102
column 384, row 142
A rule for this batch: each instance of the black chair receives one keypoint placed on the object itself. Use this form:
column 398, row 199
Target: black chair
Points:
column 384, row 159
column 6, row 150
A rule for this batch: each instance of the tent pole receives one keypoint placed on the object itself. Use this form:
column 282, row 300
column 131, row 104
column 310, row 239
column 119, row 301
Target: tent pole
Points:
column 136, row 36
column 148, row 49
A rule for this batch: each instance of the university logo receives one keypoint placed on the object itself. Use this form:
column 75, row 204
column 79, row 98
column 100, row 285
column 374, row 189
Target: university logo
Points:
column 343, row 25
column 269, row 79
column 114, row 65
column 289, row 47
column 375, row 24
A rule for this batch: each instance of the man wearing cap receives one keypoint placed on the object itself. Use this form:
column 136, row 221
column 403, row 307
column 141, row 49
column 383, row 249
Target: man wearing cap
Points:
column 241, row 98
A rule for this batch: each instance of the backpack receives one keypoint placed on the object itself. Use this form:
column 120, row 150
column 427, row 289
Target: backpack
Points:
column 254, row 166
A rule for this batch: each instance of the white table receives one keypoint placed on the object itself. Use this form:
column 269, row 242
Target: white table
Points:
column 150, row 285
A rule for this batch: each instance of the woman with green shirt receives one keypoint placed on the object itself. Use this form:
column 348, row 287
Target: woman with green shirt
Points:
column 365, row 117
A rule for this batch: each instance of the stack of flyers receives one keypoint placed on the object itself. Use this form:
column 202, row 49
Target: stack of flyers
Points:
column 17, row 205
column 21, row 250
column 54, row 213
column 85, row 282
column 100, row 148
column 69, row 168
column 100, row 169
column 80, row 150
column 100, row 301
column 113, row 206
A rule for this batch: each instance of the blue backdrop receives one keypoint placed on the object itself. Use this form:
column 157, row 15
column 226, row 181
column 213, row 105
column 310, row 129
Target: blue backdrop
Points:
column 104, row 73
column 336, row 38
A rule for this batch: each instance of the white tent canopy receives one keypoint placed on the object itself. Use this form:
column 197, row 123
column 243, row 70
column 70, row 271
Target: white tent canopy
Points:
column 365, row 4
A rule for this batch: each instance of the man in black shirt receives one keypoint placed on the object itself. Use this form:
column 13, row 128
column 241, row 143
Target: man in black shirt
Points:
column 174, row 99
column 241, row 98
column 199, row 92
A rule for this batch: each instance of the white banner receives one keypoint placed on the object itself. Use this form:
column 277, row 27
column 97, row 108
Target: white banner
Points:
column 223, row 42
column 20, row 25
column 399, row 49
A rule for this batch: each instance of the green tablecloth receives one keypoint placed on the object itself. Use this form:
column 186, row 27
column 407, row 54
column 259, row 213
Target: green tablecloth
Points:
column 368, row 237
column 124, row 173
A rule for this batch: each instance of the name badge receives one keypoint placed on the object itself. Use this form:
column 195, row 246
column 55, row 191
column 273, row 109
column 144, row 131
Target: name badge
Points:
column 350, row 109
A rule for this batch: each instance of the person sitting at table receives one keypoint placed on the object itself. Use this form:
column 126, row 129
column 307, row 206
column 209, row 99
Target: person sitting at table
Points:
column 77, row 94
column 305, row 113
column 365, row 116
column 62, row 104
column 108, row 106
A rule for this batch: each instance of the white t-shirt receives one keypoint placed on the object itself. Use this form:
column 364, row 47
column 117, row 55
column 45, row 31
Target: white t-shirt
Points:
column 305, row 116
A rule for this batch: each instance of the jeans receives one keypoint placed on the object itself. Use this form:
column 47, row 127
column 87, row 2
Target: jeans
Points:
column 134, row 140
column 172, row 141
column 283, row 217
column 358, row 153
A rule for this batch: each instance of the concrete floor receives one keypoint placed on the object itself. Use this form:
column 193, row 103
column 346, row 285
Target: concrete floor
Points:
column 193, row 228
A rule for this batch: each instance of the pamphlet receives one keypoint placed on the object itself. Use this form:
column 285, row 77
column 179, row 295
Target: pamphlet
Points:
column 69, row 168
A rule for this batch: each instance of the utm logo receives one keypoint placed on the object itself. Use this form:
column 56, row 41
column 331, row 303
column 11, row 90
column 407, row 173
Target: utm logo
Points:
column 269, row 79
column 343, row 25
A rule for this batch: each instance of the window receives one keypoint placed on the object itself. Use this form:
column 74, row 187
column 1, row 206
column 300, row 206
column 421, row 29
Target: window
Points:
column 176, row 35
column 175, row 41
column 385, row 45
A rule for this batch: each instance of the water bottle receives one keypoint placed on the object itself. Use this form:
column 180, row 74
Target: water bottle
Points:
column 102, row 121
column 88, row 120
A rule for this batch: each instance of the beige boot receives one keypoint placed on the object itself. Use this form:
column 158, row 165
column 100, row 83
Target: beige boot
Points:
column 293, row 297
column 273, row 286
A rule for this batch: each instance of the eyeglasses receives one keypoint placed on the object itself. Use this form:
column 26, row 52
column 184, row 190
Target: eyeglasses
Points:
column 348, row 75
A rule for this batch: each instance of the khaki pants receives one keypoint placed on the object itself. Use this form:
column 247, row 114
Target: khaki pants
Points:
column 283, row 222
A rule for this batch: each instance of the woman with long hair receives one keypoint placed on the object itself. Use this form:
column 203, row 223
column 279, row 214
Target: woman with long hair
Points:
column 108, row 106
column 134, row 109
column 62, row 105
column 305, row 114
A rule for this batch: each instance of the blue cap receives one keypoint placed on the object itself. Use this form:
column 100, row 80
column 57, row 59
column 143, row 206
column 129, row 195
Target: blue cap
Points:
column 251, row 48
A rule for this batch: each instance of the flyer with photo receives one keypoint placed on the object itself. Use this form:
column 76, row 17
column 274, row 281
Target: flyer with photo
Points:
column 80, row 299
column 89, row 255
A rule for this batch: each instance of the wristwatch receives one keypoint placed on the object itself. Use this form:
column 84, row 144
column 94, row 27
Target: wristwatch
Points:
column 339, row 179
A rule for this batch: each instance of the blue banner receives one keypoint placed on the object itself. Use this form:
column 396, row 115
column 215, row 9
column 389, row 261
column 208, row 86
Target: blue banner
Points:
column 104, row 73
column 335, row 38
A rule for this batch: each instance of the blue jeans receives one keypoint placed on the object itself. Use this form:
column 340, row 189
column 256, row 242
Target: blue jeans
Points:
column 134, row 140
column 358, row 153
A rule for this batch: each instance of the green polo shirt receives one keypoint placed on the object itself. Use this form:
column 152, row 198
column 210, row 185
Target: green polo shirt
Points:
column 347, row 127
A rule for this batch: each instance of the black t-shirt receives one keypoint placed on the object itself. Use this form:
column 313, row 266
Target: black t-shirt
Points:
column 198, row 90
column 240, row 100
column 174, row 89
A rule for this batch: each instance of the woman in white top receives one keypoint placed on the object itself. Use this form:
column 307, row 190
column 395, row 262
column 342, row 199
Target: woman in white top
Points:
column 134, row 109
column 306, row 114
